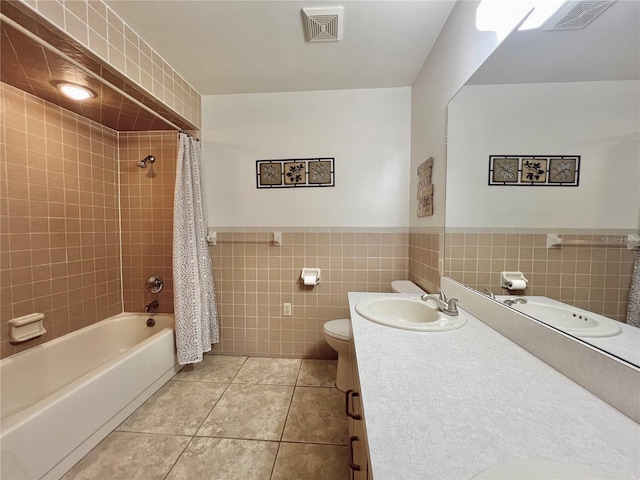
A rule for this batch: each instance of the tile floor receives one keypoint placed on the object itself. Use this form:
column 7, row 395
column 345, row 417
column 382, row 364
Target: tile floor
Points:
column 231, row 418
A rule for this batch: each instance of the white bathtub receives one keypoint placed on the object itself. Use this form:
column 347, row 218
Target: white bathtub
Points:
column 61, row 398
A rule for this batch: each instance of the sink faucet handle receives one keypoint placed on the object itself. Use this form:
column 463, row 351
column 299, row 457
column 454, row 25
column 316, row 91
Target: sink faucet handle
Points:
column 452, row 305
column 490, row 293
column 442, row 296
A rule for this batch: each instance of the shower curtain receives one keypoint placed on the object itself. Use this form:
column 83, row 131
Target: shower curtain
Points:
column 633, row 311
column 194, row 296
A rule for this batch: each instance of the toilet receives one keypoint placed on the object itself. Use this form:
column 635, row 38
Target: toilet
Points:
column 338, row 332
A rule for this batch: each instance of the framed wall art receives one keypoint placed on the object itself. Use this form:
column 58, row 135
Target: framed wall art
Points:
column 535, row 170
column 295, row 173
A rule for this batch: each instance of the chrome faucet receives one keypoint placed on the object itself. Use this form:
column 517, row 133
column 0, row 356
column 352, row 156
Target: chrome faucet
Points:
column 151, row 306
column 511, row 301
column 449, row 307
column 490, row 294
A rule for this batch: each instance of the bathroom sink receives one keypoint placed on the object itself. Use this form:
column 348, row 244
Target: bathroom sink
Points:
column 570, row 320
column 541, row 470
column 408, row 314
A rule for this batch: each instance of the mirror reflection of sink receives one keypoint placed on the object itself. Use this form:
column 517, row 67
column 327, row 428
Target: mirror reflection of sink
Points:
column 541, row 470
column 570, row 320
column 408, row 314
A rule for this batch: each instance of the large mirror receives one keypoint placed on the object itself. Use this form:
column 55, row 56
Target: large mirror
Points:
column 548, row 99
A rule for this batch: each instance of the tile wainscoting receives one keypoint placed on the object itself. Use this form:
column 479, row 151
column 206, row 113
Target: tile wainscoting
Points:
column 595, row 278
column 255, row 277
column 425, row 245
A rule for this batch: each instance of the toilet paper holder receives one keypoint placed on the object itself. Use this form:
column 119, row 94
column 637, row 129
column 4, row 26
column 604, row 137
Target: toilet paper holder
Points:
column 310, row 276
column 513, row 280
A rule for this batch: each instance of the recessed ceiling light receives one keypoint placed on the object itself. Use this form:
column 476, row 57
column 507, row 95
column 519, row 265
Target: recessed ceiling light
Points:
column 75, row 92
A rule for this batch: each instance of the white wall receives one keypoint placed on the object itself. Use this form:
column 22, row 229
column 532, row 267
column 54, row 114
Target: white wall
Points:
column 367, row 131
column 598, row 120
column 458, row 52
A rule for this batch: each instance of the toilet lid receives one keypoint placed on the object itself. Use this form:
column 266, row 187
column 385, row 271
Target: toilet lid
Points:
column 339, row 329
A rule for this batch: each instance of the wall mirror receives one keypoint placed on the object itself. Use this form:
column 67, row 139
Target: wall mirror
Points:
column 547, row 94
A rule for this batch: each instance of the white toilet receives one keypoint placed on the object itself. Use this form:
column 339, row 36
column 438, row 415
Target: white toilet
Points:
column 338, row 332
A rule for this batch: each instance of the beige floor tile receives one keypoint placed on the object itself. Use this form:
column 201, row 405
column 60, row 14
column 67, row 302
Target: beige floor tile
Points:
column 269, row 371
column 297, row 461
column 225, row 459
column 249, row 411
column 213, row 368
column 317, row 416
column 177, row 408
column 317, row 373
column 130, row 456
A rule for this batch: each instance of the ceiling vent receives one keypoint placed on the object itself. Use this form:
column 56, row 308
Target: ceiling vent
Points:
column 576, row 15
column 323, row 24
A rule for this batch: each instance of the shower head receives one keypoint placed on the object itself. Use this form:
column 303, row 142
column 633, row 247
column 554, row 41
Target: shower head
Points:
column 143, row 163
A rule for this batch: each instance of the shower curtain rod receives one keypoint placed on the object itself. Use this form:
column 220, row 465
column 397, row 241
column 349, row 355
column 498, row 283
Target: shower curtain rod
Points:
column 95, row 76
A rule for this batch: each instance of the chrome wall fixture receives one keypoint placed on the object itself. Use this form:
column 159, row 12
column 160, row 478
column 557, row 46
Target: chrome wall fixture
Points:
column 154, row 284
column 143, row 163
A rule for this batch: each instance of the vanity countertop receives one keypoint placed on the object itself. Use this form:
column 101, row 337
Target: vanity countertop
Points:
column 448, row 405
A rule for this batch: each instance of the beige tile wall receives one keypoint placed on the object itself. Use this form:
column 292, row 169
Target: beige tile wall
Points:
column 94, row 25
column 424, row 257
column 594, row 278
column 147, row 216
column 59, row 231
column 254, row 278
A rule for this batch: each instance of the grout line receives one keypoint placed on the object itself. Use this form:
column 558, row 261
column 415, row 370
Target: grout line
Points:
column 275, row 459
column 178, row 458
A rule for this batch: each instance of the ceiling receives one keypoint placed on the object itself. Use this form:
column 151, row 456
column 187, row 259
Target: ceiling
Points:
column 229, row 47
column 28, row 66
column 606, row 49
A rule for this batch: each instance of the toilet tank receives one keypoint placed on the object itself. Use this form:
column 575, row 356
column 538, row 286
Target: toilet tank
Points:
column 406, row 286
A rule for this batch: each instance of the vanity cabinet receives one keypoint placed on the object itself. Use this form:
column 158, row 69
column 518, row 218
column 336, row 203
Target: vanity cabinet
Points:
column 359, row 454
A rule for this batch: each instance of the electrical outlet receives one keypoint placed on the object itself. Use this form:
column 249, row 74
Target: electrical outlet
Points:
column 286, row 309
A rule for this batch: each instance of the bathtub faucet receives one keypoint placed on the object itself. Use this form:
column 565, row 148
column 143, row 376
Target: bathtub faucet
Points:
column 151, row 306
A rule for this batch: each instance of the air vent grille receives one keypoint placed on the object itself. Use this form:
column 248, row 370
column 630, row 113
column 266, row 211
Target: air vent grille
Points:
column 577, row 15
column 323, row 24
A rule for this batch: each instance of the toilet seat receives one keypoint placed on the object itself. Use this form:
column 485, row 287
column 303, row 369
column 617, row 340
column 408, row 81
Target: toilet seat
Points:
column 338, row 329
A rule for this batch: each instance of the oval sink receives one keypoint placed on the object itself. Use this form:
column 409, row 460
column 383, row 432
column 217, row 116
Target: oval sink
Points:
column 408, row 314
column 571, row 320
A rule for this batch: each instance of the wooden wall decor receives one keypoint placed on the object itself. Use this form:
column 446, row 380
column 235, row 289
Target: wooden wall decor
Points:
column 425, row 188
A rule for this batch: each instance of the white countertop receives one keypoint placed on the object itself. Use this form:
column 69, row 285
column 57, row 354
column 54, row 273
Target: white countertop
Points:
column 448, row 405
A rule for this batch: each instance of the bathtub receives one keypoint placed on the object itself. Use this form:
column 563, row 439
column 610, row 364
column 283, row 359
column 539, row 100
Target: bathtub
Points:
column 61, row 398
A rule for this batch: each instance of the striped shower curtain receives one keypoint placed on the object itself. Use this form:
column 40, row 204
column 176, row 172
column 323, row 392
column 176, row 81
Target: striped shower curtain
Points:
column 194, row 296
column 633, row 311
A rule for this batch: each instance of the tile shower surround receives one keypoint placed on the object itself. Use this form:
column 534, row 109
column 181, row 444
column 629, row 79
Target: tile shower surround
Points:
column 59, row 207
column 596, row 279
column 146, row 208
column 59, row 232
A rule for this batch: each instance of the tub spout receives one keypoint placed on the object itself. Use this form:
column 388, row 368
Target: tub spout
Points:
column 151, row 306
